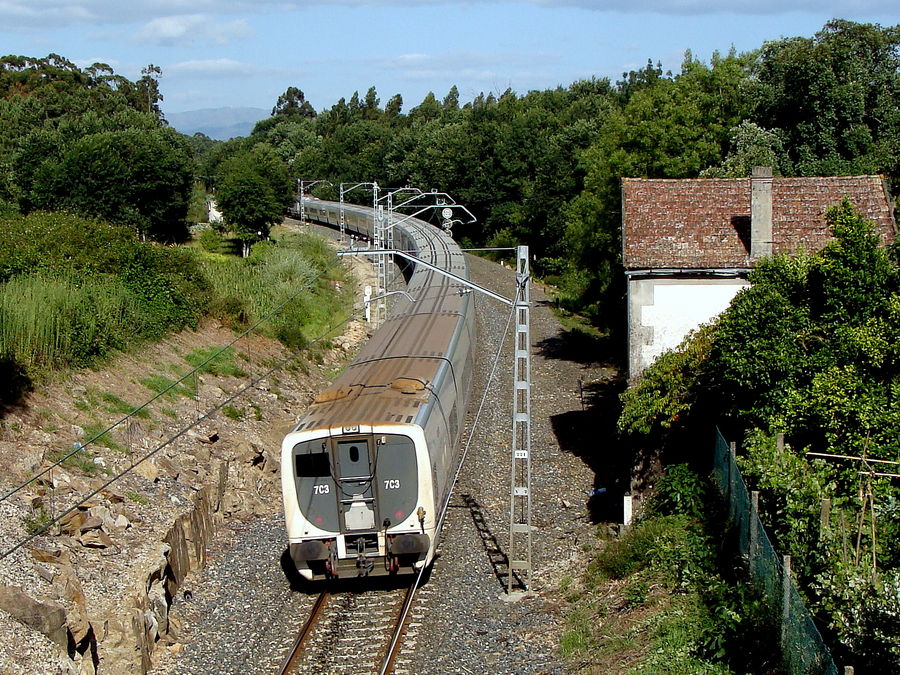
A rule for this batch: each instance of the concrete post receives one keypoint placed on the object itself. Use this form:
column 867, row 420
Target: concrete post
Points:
column 825, row 516
column 627, row 512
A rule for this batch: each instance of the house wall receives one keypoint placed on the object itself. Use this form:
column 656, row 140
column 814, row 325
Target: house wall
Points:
column 662, row 311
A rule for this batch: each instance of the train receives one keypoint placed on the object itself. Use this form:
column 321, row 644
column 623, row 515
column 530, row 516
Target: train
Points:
column 368, row 466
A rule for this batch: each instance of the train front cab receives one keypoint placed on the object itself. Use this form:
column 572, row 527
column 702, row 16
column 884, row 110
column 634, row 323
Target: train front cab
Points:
column 361, row 506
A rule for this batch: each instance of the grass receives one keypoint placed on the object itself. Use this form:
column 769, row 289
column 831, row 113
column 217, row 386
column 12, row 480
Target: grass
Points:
column 215, row 361
column 95, row 433
column 664, row 600
column 135, row 497
column 53, row 322
column 233, row 413
column 37, row 521
column 94, row 400
column 115, row 404
column 293, row 283
column 82, row 460
column 160, row 384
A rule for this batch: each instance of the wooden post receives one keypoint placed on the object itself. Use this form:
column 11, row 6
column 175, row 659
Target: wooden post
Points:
column 779, row 442
column 733, row 447
column 825, row 516
column 786, row 598
column 754, row 532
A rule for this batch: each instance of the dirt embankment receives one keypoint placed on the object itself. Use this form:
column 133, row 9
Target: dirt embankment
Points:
column 94, row 594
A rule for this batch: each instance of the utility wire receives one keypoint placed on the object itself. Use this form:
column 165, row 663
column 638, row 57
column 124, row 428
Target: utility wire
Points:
column 79, row 447
column 171, row 439
column 487, row 390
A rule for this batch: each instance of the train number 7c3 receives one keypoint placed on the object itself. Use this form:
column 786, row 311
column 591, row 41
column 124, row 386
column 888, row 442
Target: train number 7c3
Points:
column 392, row 484
column 322, row 489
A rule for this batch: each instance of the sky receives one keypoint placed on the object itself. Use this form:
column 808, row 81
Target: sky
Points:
column 243, row 53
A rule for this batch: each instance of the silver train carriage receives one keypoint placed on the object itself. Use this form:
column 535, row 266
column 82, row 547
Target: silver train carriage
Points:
column 368, row 467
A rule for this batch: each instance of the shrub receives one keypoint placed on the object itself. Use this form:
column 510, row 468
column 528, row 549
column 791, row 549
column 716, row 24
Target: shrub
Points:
column 680, row 491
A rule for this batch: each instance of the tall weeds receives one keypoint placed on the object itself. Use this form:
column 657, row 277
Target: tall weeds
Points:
column 52, row 321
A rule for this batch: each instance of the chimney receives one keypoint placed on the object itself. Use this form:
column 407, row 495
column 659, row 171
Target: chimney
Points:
column 760, row 212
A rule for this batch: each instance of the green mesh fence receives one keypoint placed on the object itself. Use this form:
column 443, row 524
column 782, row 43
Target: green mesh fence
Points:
column 802, row 647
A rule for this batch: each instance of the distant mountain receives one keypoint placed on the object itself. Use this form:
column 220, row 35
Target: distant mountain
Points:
column 218, row 123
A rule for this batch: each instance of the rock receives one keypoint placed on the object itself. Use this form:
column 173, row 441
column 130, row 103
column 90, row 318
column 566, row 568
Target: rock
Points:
column 91, row 523
column 95, row 539
column 148, row 469
column 56, row 557
column 71, row 522
column 121, row 522
column 45, row 573
column 106, row 517
column 60, row 479
column 71, row 590
column 112, row 496
column 48, row 618
column 168, row 468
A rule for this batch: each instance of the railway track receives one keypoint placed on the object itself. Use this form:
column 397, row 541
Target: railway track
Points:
column 351, row 633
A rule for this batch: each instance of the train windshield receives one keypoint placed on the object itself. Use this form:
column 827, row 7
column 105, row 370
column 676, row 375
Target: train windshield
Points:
column 313, row 465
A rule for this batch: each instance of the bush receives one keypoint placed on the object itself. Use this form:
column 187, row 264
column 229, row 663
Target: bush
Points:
column 671, row 546
column 680, row 491
column 210, row 240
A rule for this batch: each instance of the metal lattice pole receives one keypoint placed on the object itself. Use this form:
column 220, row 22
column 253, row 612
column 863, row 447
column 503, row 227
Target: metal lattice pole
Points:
column 520, row 489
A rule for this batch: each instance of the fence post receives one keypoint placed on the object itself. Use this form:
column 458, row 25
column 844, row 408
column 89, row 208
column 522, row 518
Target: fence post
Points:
column 626, row 510
column 786, row 599
column 754, row 531
column 779, row 442
column 825, row 517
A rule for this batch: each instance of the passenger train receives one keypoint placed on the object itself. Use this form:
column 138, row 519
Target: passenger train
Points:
column 367, row 468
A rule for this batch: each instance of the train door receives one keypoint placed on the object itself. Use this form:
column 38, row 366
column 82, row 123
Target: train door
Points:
column 354, row 481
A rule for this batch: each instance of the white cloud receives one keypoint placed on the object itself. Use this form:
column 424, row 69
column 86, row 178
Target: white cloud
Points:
column 211, row 68
column 192, row 29
column 17, row 14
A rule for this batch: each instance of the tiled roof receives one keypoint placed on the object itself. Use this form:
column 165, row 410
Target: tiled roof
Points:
column 704, row 223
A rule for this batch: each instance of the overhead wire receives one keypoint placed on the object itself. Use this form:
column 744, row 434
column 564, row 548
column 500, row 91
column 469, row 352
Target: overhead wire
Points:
column 81, row 446
column 170, row 440
column 487, row 390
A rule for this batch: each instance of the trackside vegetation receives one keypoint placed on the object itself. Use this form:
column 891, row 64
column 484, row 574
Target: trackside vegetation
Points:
column 808, row 351
column 655, row 599
column 543, row 168
column 73, row 290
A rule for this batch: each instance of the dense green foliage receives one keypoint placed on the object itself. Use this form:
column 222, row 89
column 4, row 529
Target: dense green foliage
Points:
column 808, row 351
column 669, row 562
column 72, row 290
column 253, row 190
column 91, row 142
column 543, row 168
column 298, row 282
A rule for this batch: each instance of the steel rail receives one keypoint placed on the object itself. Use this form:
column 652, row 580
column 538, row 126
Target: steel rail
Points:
column 297, row 647
column 393, row 649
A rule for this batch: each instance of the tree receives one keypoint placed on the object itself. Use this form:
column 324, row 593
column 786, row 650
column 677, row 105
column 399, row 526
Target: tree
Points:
column 834, row 98
column 252, row 190
column 148, row 85
column 293, row 103
column 136, row 177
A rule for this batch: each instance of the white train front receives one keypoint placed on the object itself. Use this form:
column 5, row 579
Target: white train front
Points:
column 366, row 470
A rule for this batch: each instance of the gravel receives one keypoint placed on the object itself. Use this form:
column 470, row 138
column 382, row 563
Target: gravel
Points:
column 243, row 612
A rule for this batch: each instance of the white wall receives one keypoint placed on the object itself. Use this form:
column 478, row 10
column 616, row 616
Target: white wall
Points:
column 661, row 312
